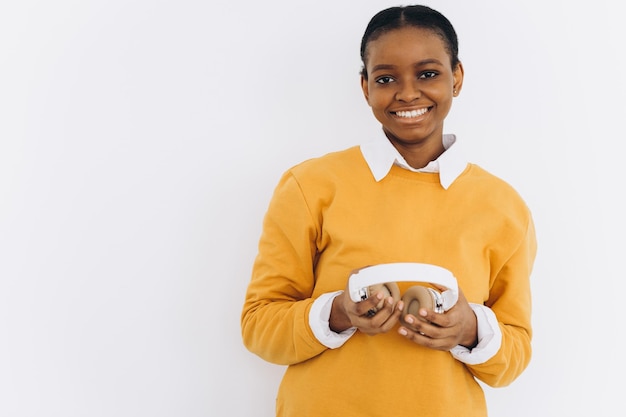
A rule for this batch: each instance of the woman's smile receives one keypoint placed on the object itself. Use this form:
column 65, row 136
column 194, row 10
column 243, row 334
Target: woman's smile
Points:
column 411, row 115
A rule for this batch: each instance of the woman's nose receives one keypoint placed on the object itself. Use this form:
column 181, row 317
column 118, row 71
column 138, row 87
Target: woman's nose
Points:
column 408, row 92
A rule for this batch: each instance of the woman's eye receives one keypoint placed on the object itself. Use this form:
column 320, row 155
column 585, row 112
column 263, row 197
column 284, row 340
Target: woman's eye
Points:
column 428, row 74
column 384, row 80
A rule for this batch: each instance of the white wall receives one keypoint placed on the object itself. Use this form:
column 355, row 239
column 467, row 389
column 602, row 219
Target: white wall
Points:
column 140, row 142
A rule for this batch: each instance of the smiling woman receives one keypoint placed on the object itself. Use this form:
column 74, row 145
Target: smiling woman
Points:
column 408, row 197
column 139, row 145
column 409, row 82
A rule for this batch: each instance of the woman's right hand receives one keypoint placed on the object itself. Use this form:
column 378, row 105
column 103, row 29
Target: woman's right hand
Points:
column 345, row 313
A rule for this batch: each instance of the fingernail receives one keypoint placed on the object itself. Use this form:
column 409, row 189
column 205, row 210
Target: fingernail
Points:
column 423, row 313
column 409, row 320
column 403, row 331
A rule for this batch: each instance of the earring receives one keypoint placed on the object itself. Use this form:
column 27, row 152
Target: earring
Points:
column 454, row 92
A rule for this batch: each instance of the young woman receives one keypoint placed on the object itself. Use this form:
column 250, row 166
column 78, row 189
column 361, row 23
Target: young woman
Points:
column 407, row 198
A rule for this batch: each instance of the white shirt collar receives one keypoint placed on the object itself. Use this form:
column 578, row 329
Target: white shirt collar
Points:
column 380, row 155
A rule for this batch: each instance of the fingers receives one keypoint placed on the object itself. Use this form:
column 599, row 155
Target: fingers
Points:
column 390, row 315
column 426, row 333
column 377, row 314
column 441, row 331
column 419, row 325
column 371, row 305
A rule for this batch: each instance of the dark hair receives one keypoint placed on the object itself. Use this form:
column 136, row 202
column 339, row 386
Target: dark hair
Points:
column 410, row 16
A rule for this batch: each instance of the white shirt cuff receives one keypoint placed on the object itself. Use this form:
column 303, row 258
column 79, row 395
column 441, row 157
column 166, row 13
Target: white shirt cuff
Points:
column 319, row 317
column 489, row 338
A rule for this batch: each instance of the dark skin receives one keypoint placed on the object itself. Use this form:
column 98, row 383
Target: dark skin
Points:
column 456, row 326
column 410, row 87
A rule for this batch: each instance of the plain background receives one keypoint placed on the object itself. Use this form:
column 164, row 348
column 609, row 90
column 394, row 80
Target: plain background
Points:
column 140, row 142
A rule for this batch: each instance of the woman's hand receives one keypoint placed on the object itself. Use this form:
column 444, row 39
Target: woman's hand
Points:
column 345, row 313
column 443, row 331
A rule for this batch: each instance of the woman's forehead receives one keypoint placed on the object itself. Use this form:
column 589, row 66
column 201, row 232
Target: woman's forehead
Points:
column 407, row 43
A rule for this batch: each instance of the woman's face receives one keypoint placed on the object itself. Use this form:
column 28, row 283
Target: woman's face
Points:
column 410, row 84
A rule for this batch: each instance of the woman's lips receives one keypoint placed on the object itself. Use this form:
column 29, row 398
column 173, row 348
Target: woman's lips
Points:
column 411, row 114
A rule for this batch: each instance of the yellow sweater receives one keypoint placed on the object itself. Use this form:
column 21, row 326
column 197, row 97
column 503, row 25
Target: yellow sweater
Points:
column 328, row 216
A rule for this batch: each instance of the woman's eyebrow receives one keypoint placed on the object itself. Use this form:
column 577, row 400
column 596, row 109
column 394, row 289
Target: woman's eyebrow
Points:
column 383, row 67
column 428, row 61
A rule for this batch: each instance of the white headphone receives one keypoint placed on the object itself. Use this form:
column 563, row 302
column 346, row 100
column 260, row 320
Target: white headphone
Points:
column 366, row 281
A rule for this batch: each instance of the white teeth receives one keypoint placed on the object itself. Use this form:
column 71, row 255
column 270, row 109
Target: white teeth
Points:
column 412, row 113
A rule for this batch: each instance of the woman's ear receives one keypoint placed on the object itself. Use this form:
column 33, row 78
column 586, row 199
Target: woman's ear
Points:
column 365, row 88
column 457, row 77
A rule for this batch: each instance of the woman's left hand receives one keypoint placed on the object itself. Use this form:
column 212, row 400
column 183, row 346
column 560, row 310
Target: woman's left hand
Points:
column 443, row 331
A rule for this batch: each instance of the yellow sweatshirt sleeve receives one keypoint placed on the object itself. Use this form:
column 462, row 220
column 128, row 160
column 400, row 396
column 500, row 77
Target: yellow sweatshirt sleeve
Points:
column 274, row 320
column 510, row 299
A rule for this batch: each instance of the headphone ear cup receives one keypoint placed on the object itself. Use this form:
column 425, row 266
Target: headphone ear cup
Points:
column 390, row 289
column 417, row 297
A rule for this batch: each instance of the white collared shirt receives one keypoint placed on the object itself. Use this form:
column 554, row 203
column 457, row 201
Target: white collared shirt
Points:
column 380, row 155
